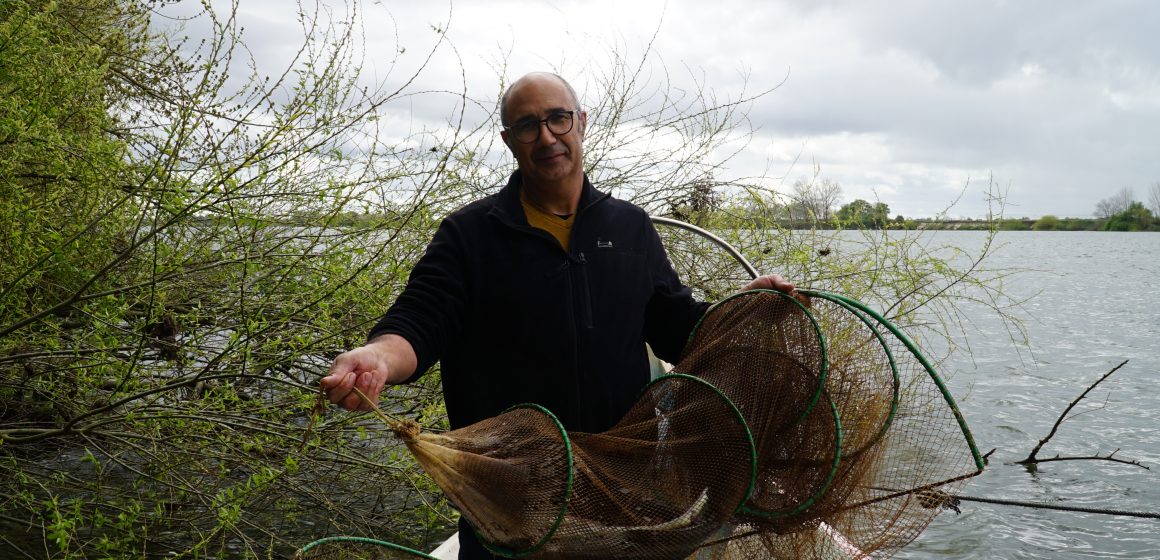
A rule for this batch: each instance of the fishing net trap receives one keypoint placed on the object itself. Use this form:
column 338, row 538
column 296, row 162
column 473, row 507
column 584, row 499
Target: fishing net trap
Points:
column 799, row 425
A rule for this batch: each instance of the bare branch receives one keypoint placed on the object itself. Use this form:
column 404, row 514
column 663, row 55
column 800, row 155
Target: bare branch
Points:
column 1031, row 457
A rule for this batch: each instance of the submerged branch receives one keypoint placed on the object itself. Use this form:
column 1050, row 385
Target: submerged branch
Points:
column 1031, row 458
column 1097, row 457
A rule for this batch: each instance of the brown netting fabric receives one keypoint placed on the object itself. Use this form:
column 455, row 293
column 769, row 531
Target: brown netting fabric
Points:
column 510, row 475
column 923, row 457
column 767, row 355
column 661, row 481
column 656, row 485
column 904, row 449
column 793, row 427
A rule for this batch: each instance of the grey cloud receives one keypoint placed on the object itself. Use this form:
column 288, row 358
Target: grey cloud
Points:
column 1060, row 100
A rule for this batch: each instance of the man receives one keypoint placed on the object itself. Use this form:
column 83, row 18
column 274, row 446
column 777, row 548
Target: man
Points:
column 544, row 292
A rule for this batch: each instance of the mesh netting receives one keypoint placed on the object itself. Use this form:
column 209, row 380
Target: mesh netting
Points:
column 904, row 449
column 801, row 426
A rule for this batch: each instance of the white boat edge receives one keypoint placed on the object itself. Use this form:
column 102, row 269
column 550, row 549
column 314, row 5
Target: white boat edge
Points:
column 449, row 550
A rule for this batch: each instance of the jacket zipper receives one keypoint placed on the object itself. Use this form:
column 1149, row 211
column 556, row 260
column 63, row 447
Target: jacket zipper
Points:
column 576, row 383
column 585, row 292
column 587, row 304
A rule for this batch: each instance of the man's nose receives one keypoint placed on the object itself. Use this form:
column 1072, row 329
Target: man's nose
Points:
column 546, row 136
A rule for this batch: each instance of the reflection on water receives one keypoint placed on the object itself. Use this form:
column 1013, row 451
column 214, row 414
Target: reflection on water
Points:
column 1098, row 304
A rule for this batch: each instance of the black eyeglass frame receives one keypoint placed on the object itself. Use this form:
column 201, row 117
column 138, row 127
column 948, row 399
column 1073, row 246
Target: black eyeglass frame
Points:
column 539, row 126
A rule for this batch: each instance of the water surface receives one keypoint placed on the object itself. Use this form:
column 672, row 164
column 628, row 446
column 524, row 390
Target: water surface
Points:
column 1096, row 303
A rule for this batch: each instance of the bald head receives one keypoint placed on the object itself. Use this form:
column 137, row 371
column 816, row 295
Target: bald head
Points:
column 549, row 150
column 531, row 78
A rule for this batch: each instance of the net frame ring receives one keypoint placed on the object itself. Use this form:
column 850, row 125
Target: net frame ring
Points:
column 566, row 498
column 719, row 307
column 326, row 547
column 740, row 417
column 822, row 488
column 845, row 304
column 924, row 364
column 819, row 395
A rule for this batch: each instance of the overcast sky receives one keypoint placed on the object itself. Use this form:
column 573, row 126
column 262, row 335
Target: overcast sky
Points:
column 1055, row 102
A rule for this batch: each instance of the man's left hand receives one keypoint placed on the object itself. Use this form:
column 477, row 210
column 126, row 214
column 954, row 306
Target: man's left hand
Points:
column 770, row 282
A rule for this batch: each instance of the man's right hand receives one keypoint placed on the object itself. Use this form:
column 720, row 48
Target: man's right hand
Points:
column 386, row 360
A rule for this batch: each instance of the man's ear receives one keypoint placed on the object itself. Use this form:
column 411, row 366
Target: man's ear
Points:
column 583, row 122
column 503, row 134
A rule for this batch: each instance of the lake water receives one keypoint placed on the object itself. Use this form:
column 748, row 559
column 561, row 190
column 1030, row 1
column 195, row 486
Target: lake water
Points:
column 1096, row 303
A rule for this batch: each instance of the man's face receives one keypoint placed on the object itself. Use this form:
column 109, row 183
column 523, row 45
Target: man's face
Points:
column 551, row 158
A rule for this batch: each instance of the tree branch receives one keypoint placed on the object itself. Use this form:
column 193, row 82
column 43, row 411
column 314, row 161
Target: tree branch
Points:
column 1031, row 458
column 1097, row 457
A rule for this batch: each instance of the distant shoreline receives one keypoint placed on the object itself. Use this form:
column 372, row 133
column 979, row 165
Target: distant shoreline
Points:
column 1047, row 223
column 734, row 220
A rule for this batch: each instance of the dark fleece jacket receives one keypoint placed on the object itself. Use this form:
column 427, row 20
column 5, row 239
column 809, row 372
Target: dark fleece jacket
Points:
column 515, row 319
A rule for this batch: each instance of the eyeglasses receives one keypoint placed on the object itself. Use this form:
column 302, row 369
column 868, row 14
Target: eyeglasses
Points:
column 526, row 132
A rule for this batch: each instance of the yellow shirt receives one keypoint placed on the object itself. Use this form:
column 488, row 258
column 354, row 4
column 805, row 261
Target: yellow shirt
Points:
column 560, row 228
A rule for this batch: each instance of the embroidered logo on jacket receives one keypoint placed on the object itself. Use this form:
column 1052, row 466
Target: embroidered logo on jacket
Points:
column 603, row 244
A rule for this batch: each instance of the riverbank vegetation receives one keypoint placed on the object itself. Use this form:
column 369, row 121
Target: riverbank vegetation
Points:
column 860, row 214
column 815, row 204
column 190, row 239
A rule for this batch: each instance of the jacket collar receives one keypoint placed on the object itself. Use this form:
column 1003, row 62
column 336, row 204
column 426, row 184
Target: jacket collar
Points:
column 509, row 210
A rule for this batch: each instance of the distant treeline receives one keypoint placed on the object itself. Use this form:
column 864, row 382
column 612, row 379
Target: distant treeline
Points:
column 813, row 206
column 730, row 218
column 1048, row 223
